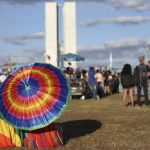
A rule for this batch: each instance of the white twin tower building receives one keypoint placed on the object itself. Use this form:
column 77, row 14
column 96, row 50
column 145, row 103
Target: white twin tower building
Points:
column 52, row 26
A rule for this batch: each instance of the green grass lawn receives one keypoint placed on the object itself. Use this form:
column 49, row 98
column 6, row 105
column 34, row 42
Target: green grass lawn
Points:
column 105, row 125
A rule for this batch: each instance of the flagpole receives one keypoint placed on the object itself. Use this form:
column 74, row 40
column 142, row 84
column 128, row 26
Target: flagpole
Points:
column 110, row 61
column 9, row 62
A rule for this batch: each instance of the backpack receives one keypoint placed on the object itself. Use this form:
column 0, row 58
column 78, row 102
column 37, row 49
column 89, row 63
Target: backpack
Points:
column 87, row 92
column 143, row 73
column 135, row 78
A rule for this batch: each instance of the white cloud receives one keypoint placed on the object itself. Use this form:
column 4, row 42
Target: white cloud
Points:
column 138, row 5
column 19, row 40
column 26, row 59
column 91, row 47
column 14, row 41
column 124, row 51
column 21, row 59
column 119, row 20
column 30, row 55
column 25, row 56
column 37, row 52
column 123, row 43
column 22, row 3
column 3, row 24
column 3, row 59
column 118, row 44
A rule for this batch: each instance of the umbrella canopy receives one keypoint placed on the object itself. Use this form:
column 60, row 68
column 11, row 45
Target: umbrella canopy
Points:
column 70, row 57
column 34, row 96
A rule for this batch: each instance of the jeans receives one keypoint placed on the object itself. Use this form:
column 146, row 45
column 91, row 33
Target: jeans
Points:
column 93, row 89
column 148, row 86
column 100, row 90
column 144, row 85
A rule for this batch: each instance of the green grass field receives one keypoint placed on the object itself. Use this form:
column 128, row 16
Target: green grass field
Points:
column 105, row 125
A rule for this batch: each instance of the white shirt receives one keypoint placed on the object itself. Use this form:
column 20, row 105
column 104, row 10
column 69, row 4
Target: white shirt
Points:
column 2, row 78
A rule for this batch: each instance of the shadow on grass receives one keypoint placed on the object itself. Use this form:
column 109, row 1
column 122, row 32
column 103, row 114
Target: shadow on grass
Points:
column 77, row 128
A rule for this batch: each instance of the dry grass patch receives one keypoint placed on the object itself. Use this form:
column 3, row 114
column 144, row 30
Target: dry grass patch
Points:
column 105, row 125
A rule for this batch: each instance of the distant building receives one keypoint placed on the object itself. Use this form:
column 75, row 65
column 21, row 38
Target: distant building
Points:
column 52, row 34
column 69, row 29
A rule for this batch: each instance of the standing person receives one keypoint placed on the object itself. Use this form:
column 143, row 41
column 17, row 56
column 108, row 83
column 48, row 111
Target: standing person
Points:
column 99, row 84
column 78, row 73
column 92, row 82
column 148, row 83
column 120, row 86
column 148, row 66
column 141, row 78
column 67, row 74
column 106, row 84
column 110, row 82
column 148, row 87
column 115, row 84
column 127, row 83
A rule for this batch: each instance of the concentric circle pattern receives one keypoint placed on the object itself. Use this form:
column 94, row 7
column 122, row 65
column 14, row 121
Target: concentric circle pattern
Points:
column 34, row 96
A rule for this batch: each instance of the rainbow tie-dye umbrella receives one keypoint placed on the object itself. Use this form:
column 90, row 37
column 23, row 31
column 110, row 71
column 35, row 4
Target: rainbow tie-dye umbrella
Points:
column 34, row 96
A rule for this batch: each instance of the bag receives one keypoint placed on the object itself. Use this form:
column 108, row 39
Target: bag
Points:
column 135, row 77
column 143, row 73
column 87, row 92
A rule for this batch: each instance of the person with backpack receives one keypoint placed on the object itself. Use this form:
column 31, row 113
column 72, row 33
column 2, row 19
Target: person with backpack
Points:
column 140, row 80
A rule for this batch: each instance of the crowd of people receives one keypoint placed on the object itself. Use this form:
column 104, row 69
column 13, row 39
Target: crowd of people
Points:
column 102, row 83
column 98, row 84
column 4, row 72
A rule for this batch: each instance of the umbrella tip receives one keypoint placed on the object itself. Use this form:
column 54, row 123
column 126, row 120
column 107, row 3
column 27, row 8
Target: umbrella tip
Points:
column 27, row 87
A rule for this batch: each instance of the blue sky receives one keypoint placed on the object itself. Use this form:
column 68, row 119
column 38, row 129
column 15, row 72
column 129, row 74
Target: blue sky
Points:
column 113, row 25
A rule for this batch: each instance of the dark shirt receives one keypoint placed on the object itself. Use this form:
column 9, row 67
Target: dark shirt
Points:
column 127, row 81
column 137, row 78
column 148, row 69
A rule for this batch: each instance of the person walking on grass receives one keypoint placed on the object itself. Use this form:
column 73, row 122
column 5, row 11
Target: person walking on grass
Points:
column 90, row 77
column 141, row 79
column 127, row 83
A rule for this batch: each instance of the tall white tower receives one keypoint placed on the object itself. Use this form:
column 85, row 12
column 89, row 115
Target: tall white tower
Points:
column 69, row 29
column 51, row 32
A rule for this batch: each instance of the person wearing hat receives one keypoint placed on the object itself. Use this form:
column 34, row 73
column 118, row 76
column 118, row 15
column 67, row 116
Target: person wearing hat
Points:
column 140, row 80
